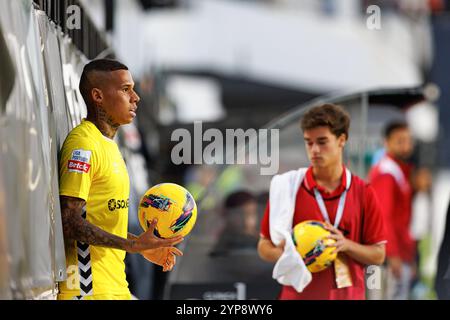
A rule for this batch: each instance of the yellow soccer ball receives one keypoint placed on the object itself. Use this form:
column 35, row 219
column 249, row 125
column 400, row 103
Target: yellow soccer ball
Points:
column 310, row 240
column 172, row 205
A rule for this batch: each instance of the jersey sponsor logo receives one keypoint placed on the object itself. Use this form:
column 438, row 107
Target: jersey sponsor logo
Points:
column 77, row 166
column 79, row 161
column 114, row 204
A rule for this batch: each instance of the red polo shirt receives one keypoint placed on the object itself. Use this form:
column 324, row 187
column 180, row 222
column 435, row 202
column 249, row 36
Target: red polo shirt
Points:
column 397, row 209
column 362, row 222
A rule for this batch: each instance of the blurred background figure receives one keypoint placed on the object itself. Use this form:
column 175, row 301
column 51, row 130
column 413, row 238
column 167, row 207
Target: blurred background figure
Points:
column 404, row 188
column 390, row 178
column 197, row 180
column 240, row 231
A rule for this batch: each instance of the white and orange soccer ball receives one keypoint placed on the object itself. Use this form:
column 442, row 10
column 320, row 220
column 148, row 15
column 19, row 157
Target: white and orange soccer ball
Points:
column 172, row 205
column 310, row 239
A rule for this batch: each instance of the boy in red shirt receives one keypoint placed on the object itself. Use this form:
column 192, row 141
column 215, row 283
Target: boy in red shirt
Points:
column 359, row 233
column 390, row 178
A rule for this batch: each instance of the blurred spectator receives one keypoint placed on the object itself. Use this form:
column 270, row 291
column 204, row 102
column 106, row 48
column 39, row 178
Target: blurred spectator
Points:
column 241, row 224
column 197, row 180
column 438, row 5
column 390, row 179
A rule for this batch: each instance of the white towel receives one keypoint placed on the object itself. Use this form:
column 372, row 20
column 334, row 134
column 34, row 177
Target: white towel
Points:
column 290, row 269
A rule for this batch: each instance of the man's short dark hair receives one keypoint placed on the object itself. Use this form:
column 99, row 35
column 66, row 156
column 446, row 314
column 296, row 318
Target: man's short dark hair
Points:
column 329, row 115
column 393, row 126
column 105, row 65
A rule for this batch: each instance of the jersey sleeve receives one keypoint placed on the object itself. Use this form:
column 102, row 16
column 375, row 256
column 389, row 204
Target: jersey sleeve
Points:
column 265, row 227
column 77, row 168
column 374, row 228
column 384, row 186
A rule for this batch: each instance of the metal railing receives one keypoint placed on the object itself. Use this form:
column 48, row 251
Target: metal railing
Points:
column 87, row 38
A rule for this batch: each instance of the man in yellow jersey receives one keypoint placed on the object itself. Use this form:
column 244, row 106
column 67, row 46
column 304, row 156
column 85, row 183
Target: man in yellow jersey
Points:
column 94, row 192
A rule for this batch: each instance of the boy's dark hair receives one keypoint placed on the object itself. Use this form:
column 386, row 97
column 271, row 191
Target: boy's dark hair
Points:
column 105, row 65
column 392, row 126
column 330, row 115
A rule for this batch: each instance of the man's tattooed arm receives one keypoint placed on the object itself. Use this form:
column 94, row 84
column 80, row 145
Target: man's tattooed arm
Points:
column 75, row 227
column 131, row 236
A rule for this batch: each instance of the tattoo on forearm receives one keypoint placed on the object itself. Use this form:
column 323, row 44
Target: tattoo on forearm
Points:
column 77, row 228
column 132, row 236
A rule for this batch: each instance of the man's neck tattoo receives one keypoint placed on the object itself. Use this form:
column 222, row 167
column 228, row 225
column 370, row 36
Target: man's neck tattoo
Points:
column 104, row 122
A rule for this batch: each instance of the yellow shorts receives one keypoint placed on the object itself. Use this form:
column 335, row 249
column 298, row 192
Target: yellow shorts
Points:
column 126, row 296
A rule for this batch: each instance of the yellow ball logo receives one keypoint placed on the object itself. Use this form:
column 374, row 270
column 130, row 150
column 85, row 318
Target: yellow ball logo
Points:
column 172, row 205
column 310, row 238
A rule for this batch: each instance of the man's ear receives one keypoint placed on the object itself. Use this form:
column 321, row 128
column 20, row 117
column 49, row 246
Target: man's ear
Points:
column 97, row 95
column 342, row 140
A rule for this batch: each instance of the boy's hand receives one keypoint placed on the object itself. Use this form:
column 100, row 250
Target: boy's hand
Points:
column 341, row 244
